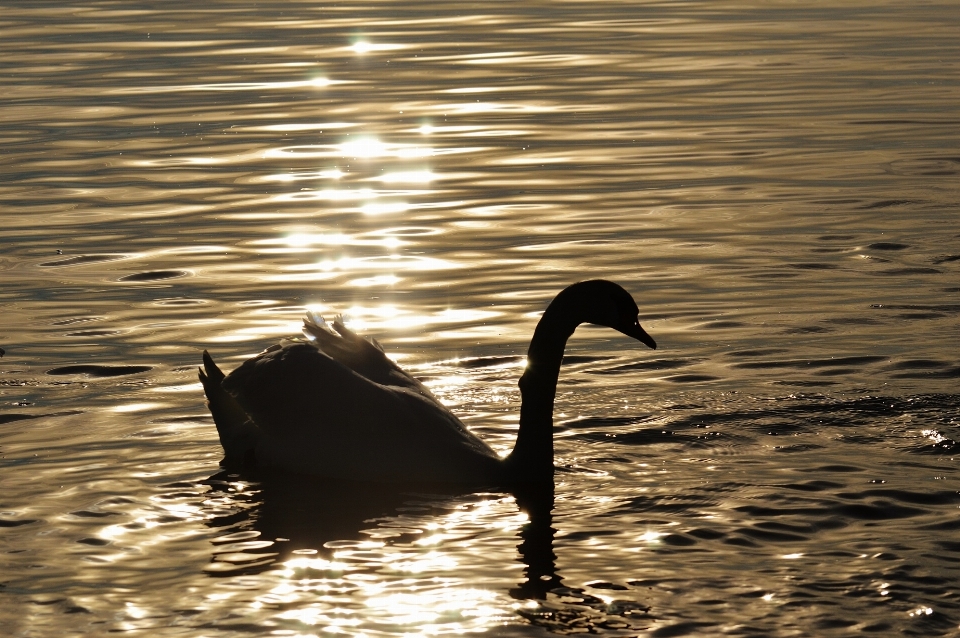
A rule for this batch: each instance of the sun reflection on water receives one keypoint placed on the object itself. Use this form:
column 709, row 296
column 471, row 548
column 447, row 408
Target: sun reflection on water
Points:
column 364, row 46
column 317, row 82
column 395, row 586
column 379, row 280
column 391, row 317
column 307, row 175
column 304, row 239
column 408, row 176
column 303, row 126
column 365, row 147
column 384, row 208
column 378, row 263
column 358, row 317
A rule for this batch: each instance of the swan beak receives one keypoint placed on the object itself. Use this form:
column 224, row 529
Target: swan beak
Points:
column 638, row 333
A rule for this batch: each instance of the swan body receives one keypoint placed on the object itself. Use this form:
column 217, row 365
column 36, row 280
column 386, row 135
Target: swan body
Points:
column 337, row 406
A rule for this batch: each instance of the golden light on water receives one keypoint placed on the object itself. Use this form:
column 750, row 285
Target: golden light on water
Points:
column 259, row 330
column 379, row 263
column 364, row 147
column 384, row 208
column 379, row 280
column 136, row 407
column 407, row 176
column 317, row 82
column 307, row 239
column 177, row 179
column 304, row 126
column 364, row 588
column 334, row 173
column 391, row 317
column 357, row 316
column 364, row 46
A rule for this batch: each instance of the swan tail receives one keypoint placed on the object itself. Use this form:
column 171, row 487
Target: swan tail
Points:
column 238, row 434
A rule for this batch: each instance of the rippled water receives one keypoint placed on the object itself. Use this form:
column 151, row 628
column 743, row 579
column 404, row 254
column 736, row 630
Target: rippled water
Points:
column 776, row 183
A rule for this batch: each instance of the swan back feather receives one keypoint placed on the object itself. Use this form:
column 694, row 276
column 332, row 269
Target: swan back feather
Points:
column 365, row 356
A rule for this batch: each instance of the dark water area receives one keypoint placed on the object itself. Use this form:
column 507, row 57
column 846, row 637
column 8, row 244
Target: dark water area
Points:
column 776, row 183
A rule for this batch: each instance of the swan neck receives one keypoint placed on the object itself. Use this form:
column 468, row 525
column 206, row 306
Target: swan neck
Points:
column 532, row 457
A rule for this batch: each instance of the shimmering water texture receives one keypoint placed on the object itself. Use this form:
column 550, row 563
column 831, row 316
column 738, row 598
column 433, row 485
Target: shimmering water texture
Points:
column 775, row 182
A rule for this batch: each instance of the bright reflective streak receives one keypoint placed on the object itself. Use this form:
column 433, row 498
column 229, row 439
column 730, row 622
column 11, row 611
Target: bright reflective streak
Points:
column 428, row 129
column 432, row 561
column 449, row 385
column 190, row 387
column 302, row 240
column 314, row 616
column 264, row 329
column 389, row 317
column 346, row 194
column 407, row 176
column 408, row 231
column 232, row 86
column 650, row 537
column 381, row 280
column 414, row 151
column 184, row 161
column 491, row 107
column 432, row 539
column 426, row 606
column 332, row 268
column 136, row 407
column 370, row 147
column 366, row 148
column 391, row 262
column 316, row 126
column 362, row 46
column 384, row 208
column 331, row 194
column 512, row 57
column 136, row 612
column 293, row 566
column 112, row 532
column 473, row 89
column 335, row 173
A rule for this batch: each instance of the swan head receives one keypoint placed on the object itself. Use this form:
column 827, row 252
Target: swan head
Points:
column 611, row 306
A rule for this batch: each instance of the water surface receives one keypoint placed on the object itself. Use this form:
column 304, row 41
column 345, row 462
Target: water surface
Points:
column 776, row 183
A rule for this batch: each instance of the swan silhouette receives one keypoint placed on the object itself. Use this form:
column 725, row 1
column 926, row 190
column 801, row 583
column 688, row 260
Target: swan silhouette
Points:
column 338, row 407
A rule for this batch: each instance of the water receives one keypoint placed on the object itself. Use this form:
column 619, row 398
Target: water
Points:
column 776, row 183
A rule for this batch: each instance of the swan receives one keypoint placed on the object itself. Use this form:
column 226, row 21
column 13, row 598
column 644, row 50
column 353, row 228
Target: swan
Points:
column 336, row 406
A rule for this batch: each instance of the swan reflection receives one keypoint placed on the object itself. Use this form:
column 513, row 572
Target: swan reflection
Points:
column 296, row 522
column 536, row 544
column 342, row 556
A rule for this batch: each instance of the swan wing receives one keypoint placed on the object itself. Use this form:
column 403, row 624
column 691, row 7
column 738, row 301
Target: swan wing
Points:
column 320, row 416
column 363, row 355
